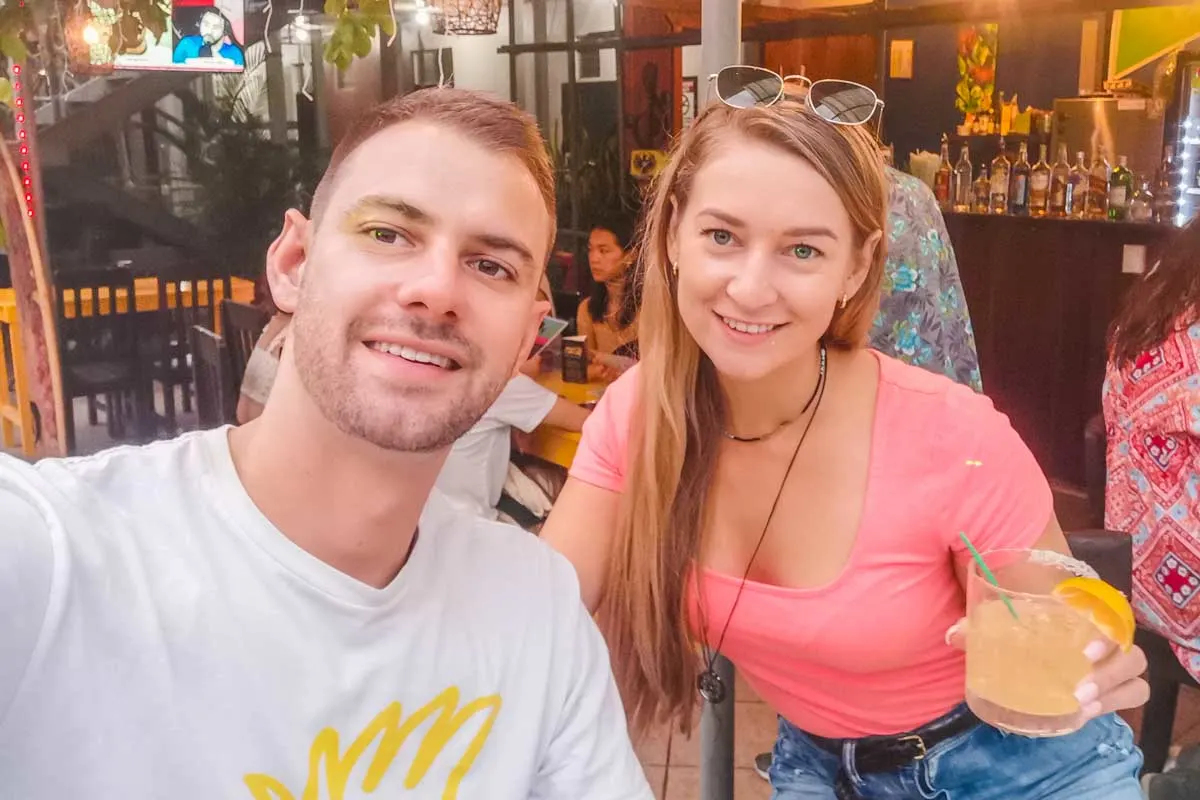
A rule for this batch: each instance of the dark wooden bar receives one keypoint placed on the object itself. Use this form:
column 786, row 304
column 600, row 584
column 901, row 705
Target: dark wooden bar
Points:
column 1042, row 293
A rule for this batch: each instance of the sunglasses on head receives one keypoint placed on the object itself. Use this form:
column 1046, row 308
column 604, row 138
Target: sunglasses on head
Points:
column 838, row 102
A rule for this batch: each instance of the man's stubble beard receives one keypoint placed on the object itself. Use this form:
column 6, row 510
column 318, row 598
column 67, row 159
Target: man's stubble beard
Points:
column 332, row 388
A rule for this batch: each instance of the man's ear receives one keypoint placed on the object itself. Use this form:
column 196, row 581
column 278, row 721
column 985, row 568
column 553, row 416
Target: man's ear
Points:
column 287, row 258
column 537, row 313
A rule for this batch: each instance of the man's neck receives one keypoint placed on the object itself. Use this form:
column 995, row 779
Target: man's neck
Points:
column 345, row 501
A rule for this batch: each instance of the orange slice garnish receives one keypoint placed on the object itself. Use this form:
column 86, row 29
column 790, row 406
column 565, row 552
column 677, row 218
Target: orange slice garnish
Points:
column 1103, row 604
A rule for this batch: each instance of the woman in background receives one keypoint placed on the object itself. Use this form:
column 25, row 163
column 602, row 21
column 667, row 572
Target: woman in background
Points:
column 1152, row 416
column 609, row 317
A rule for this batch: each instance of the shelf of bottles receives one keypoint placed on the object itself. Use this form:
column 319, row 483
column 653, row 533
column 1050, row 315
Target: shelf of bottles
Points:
column 1186, row 179
column 1063, row 190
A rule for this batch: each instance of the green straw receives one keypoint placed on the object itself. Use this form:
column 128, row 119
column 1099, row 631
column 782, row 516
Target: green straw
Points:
column 987, row 573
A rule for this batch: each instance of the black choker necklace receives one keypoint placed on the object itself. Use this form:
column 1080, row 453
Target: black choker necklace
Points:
column 782, row 425
column 708, row 682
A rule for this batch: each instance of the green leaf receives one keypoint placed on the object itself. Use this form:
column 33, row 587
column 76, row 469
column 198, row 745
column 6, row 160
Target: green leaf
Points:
column 6, row 92
column 362, row 43
column 962, row 66
column 13, row 47
column 335, row 8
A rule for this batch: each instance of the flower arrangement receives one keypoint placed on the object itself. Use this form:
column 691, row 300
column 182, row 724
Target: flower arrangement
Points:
column 976, row 70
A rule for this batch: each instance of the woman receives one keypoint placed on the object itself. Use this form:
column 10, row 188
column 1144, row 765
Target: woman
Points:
column 1152, row 414
column 609, row 318
column 764, row 486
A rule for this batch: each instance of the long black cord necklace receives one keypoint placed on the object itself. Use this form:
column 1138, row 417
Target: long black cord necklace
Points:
column 708, row 682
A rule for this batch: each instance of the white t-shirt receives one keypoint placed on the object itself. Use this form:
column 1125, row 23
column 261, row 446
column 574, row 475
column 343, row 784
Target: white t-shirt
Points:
column 160, row 638
column 474, row 473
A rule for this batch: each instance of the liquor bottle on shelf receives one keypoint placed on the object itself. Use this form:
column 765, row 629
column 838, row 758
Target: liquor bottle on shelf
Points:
column 1078, row 188
column 941, row 179
column 1097, row 196
column 1018, row 184
column 1060, row 177
column 1120, row 190
column 1164, row 195
column 982, row 192
column 1141, row 205
column 1039, row 186
column 1001, row 168
column 961, row 188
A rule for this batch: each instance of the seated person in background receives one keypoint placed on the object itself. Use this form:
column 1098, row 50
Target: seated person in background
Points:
column 477, row 468
column 263, row 363
column 1151, row 401
column 609, row 318
column 923, row 318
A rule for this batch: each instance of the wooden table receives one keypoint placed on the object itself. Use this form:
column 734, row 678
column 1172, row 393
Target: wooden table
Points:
column 555, row 444
column 16, row 413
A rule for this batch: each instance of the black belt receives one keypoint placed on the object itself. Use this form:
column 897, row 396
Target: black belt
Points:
column 874, row 754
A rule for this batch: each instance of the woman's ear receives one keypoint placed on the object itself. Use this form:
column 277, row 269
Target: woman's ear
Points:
column 866, row 257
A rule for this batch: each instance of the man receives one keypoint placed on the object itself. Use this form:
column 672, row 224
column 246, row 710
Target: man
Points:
column 477, row 468
column 283, row 610
column 923, row 318
column 213, row 40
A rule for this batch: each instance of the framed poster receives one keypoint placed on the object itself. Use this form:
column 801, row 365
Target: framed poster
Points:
column 687, row 97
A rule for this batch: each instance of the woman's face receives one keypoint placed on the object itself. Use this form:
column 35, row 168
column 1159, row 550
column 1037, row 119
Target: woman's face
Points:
column 765, row 251
column 605, row 256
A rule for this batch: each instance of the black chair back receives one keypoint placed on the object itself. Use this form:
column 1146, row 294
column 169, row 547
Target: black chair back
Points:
column 1110, row 553
column 93, row 329
column 216, row 401
column 242, row 324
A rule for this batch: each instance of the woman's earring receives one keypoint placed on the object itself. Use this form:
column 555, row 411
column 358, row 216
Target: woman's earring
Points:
column 844, row 300
column 675, row 268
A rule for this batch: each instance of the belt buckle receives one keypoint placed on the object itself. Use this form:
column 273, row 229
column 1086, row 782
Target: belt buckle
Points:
column 920, row 743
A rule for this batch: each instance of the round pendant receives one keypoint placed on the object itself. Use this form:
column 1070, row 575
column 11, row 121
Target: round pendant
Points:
column 711, row 687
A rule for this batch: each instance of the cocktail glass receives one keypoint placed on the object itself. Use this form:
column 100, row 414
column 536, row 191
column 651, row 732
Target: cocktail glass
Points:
column 1025, row 646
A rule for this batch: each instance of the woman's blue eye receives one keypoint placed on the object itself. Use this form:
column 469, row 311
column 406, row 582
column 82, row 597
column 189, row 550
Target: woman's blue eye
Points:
column 721, row 237
column 804, row 252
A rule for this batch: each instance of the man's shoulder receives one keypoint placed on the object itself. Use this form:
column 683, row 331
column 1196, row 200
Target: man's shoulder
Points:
column 117, row 475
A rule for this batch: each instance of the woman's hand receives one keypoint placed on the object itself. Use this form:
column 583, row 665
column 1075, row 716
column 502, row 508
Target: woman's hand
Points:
column 1115, row 683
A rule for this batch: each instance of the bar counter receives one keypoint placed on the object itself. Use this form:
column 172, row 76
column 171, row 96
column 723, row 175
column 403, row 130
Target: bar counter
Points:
column 1042, row 293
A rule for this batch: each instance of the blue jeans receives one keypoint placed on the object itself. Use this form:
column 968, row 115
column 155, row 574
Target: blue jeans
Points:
column 1098, row 762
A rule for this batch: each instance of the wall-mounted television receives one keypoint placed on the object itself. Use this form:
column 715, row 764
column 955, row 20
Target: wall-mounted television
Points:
column 202, row 36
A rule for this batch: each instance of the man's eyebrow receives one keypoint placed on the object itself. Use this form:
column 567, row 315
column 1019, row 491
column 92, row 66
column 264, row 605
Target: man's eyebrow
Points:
column 494, row 241
column 382, row 202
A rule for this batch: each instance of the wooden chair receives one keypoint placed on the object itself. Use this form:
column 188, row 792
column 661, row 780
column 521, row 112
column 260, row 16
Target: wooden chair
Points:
column 187, row 296
column 241, row 325
column 98, row 347
column 216, row 398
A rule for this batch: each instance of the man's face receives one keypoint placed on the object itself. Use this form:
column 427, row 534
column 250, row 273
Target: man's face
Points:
column 414, row 293
column 212, row 28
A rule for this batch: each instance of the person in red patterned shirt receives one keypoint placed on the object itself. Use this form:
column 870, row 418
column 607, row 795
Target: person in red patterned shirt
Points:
column 1152, row 415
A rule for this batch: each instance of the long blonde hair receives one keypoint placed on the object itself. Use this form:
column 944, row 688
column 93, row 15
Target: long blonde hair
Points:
column 673, row 452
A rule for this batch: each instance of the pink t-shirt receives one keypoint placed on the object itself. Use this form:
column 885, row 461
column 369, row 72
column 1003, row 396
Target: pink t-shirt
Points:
column 866, row 653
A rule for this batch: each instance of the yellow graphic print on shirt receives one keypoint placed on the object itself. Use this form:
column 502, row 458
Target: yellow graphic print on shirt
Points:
column 391, row 730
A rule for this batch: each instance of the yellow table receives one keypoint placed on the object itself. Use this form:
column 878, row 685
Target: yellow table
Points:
column 554, row 444
column 17, row 416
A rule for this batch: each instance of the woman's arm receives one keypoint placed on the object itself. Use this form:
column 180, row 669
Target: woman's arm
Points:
column 581, row 527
